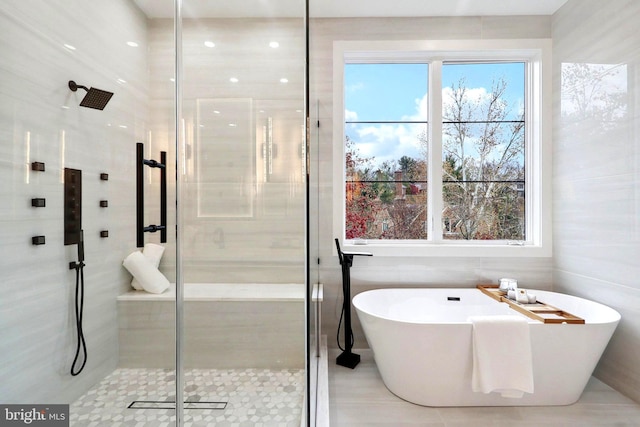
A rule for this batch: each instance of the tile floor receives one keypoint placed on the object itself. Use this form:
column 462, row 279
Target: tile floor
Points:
column 253, row 397
column 358, row 398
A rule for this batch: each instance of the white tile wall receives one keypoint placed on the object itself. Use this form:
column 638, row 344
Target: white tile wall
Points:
column 596, row 169
column 41, row 120
column 238, row 227
column 376, row 272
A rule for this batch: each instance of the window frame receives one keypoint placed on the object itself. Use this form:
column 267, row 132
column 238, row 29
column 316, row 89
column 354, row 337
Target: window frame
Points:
column 536, row 53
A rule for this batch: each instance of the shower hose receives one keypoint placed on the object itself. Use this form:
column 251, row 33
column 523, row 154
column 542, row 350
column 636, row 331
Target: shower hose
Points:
column 81, row 344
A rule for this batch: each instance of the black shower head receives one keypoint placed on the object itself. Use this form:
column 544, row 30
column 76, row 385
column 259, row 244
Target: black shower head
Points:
column 95, row 98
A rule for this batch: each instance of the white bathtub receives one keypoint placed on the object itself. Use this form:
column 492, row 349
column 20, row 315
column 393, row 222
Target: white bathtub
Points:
column 422, row 344
column 226, row 326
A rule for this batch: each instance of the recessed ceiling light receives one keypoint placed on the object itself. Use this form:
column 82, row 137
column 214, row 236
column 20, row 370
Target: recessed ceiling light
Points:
column 172, row 79
column 68, row 46
column 132, row 44
column 234, row 80
column 209, row 43
column 122, row 126
column 216, row 112
column 284, row 80
column 274, row 45
column 121, row 81
column 233, row 125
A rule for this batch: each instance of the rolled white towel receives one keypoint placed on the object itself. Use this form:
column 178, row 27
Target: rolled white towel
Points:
column 146, row 273
column 153, row 253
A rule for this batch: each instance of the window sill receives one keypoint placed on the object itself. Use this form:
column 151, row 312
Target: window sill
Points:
column 449, row 249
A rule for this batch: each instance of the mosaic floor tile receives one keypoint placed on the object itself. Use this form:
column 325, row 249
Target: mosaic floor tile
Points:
column 253, row 397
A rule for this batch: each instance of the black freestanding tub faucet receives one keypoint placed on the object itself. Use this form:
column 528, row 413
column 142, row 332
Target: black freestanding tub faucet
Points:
column 347, row 358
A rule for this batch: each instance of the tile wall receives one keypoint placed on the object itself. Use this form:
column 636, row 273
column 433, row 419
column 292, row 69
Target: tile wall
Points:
column 597, row 170
column 43, row 45
column 244, row 192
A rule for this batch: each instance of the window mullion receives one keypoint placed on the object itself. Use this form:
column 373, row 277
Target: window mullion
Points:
column 435, row 203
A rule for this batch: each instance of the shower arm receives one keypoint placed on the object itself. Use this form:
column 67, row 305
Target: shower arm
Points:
column 74, row 86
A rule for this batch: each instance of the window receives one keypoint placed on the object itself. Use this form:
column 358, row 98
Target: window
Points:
column 443, row 147
column 483, row 150
column 385, row 151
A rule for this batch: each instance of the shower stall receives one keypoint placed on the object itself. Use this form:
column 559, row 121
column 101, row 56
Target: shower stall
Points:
column 215, row 95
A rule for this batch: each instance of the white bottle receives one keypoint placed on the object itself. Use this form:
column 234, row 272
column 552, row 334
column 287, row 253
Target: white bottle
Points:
column 522, row 297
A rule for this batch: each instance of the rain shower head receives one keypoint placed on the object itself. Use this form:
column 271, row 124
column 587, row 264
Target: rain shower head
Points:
column 95, row 98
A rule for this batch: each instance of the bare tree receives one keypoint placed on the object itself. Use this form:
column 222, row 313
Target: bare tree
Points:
column 482, row 150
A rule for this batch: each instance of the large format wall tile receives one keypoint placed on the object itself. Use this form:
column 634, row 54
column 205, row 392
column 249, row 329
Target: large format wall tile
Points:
column 41, row 120
column 243, row 211
column 596, row 167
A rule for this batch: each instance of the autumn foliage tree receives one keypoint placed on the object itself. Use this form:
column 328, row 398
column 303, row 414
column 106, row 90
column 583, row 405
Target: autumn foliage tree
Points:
column 361, row 206
column 483, row 176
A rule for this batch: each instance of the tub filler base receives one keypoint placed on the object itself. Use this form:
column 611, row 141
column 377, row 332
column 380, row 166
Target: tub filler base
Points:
column 226, row 326
column 422, row 344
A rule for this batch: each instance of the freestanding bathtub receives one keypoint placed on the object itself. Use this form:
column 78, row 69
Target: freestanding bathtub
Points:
column 422, row 344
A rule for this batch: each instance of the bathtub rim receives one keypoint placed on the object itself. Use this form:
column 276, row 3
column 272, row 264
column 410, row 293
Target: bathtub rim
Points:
column 613, row 316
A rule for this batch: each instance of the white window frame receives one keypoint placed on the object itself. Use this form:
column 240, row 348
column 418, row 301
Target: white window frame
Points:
column 536, row 53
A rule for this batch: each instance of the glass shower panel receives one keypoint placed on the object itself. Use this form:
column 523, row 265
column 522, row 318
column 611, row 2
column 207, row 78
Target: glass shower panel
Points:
column 63, row 149
column 241, row 175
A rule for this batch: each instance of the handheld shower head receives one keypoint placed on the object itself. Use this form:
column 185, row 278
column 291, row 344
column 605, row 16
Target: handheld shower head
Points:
column 95, row 98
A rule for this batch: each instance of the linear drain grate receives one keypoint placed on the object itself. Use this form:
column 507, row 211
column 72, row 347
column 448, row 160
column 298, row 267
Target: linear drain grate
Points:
column 155, row 404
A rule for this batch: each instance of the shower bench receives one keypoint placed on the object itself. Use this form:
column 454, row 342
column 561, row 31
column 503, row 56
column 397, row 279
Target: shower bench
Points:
column 226, row 326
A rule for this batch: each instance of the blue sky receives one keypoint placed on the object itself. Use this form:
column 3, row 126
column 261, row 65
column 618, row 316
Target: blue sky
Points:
column 387, row 92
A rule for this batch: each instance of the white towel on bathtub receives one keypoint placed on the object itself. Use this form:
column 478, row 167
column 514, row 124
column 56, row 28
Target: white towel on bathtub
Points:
column 147, row 274
column 502, row 355
column 153, row 253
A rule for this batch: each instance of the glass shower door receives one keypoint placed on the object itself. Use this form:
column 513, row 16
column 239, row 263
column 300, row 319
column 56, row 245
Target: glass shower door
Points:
column 241, row 218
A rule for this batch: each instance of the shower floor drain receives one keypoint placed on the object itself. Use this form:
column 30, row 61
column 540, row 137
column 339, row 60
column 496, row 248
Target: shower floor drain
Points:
column 151, row 404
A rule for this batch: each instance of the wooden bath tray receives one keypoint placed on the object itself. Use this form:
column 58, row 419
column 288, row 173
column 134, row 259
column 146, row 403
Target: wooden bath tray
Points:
column 545, row 313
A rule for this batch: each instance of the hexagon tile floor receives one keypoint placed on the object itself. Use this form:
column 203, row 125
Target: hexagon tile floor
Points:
column 221, row 398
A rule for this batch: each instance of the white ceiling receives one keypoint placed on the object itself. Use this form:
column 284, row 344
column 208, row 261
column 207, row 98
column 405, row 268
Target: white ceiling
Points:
column 349, row 8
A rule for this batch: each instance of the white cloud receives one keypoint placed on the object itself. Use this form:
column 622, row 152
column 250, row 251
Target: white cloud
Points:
column 389, row 142
column 350, row 116
column 473, row 96
column 422, row 110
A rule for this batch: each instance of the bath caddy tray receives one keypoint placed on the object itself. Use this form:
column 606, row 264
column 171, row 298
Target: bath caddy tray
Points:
column 545, row 313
